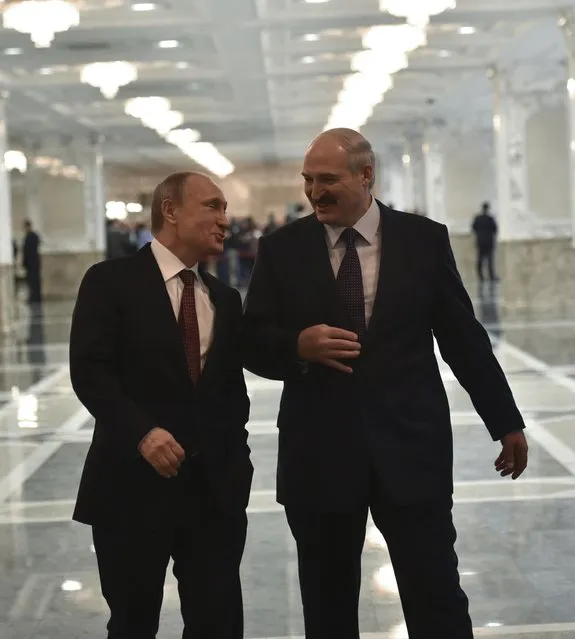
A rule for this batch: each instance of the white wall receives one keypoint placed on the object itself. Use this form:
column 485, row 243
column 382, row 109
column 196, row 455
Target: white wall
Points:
column 468, row 183
column 548, row 163
column 260, row 190
column 62, row 211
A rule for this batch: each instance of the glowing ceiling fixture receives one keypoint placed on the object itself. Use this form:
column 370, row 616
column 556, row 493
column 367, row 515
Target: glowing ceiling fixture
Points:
column 109, row 76
column 385, row 53
column 155, row 113
column 168, row 44
column 143, row 6
column 15, row 161
column 204, row 153
column 416, row 12
column 42, row 19
column 404, row 37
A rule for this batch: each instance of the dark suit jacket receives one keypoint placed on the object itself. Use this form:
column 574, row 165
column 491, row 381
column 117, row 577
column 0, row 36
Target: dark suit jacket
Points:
column 31, row 251
column 392, row 414
column 485, row 229
column 128, row 368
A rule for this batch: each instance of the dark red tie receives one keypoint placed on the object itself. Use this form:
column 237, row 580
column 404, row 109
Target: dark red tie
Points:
column 188, row 321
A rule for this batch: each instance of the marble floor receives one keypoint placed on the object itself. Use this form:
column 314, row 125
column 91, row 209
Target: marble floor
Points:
column 516, row 540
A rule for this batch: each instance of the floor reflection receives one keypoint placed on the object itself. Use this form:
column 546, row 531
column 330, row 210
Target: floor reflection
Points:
column 36, row 343
column 515, row 539
column 488, row 309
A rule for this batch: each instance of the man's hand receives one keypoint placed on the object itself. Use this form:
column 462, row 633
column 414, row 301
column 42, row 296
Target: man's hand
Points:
column 513, row 458
column 163, row 452
column 326, row 345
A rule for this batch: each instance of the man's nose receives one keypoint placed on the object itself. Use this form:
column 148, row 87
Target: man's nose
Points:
column 316, row 191
column 223, row 221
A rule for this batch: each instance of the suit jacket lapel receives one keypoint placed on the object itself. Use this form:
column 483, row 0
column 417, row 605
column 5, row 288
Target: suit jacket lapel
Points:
column 388, row 258
column 219, row 317
column 161, row 309
column 321, row 273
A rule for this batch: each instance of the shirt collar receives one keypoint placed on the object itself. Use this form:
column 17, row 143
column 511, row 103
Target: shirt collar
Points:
column 169, row 264
column 367, row 226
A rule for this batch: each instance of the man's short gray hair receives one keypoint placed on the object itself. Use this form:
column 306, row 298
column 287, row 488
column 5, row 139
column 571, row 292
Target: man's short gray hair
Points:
column 358, row 148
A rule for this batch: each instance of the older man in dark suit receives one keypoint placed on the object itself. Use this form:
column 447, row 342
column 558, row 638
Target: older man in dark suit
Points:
column 155, row 357
column 343, row 307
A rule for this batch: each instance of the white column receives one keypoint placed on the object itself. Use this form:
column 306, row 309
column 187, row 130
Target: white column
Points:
column 94, row 196
column 509, row 124
column 408, row 180
column 433, row 153
column 414, row 150
column 567, row 24
column 392, row 181
column 6, row 243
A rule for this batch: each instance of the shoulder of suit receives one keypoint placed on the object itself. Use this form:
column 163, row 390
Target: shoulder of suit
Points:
column 416, row 223
column 111, row 270
column 290, row 230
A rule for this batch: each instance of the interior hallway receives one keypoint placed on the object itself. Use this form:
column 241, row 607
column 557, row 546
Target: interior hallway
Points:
column 515, row 544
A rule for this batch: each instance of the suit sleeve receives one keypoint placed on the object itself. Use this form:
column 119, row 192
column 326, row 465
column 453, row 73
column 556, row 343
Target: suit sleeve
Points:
column 466, row 348
column 94, row 351
column 271, row 347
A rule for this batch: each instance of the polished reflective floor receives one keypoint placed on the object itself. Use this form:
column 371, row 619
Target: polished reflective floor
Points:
column 516, row 540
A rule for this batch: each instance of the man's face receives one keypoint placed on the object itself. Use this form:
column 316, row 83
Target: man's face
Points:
column 200, row 221
column 335, row 193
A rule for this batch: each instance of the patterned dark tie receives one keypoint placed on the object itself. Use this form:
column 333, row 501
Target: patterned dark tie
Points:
column 350, row 283
column 188, row 321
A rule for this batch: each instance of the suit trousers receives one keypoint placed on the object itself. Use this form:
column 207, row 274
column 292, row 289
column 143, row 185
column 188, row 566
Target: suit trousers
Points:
column 486, row 255
column 420, row 538
column 206, row 545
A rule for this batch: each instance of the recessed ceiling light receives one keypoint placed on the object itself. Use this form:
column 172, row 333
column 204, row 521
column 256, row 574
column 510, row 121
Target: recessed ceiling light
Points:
column 168, row 44
column 13, row 51
column 308, row 59
column 46, row 71
column 311, row 37
column 183, row 65
column 444, row 54
column 143, row 6
column 467, row 30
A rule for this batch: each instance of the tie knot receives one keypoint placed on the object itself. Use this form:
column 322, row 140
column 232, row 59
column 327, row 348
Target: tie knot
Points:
column 188, row 277
column 349, row 236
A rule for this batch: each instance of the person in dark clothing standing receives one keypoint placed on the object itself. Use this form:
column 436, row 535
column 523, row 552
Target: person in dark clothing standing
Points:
column 348, row 326
column 31, row 263
column 485, row 230
column 155, row 357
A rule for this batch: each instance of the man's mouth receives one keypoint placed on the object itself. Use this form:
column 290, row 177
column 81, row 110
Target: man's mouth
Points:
column 324, row 204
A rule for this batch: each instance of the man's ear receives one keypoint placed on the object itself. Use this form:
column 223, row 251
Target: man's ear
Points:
column 169, row 211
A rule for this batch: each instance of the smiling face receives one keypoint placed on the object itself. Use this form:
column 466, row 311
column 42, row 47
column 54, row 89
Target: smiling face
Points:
column 338, row 194
column 199, row 221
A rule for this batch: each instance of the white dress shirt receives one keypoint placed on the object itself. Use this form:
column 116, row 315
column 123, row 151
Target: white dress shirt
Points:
column 368, row 248
column 171, row 266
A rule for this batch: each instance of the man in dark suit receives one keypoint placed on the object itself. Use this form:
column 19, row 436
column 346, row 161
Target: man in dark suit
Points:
column 32, row 263
column 485, row 230
column 155, row 357
column 343, row 306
